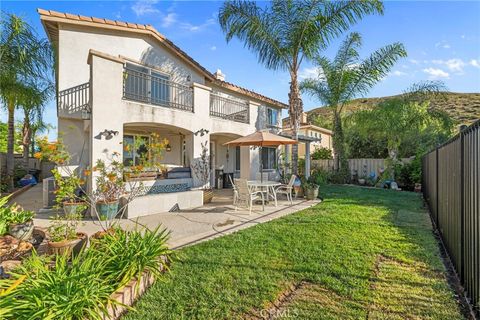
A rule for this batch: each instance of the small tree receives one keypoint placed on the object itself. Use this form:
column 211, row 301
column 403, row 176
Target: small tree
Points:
column 322, row 153
column 346, row 77
column 201, row 167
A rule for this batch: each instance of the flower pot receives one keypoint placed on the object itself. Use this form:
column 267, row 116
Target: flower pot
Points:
column 75, row 208
column 21, row 231
column 68, row 246
column 361, row 182
column 207, row 196
column 312, row 193
column 107, row 210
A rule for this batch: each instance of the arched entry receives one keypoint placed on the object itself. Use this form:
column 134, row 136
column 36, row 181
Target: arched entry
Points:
column 180, row 142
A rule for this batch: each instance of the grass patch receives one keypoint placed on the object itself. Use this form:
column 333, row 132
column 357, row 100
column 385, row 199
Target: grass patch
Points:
column 357, row 254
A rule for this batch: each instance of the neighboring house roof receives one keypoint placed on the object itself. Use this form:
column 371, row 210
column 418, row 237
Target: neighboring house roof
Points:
column 50, row 20
column 311, row 127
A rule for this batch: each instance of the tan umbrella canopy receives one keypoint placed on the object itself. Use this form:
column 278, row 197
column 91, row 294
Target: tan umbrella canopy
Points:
column 261, row 139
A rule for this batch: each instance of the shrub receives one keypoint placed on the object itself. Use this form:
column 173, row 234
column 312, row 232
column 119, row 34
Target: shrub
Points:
column 322, row 153
column 12, row 214
column 55, row 287
column 319, row 176
column 132, row 253
column 71, row 289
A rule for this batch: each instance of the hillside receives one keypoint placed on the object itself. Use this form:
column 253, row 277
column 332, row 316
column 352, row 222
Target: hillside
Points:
column 464, row 108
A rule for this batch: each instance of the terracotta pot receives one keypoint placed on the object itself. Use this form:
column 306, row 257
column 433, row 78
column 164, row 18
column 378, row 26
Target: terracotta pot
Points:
column 107, row 210
column 298, row 191
column 75, row 208
column 68, row 246
column 21, row 231
column 312, row 193
column 207, row 196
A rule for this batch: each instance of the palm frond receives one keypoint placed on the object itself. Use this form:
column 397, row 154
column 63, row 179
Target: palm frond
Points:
column 374, row 68
column 253, row 26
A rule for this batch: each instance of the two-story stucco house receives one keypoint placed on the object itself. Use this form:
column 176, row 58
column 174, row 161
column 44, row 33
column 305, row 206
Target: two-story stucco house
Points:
column 118, row 82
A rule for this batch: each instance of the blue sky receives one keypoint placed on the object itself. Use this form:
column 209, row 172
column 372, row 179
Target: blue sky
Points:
column 442, row 39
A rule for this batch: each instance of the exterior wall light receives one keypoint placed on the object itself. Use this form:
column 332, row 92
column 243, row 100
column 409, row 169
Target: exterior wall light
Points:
column 202, row 132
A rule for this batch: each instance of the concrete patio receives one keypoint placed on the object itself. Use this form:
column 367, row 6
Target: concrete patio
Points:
column 187, row 226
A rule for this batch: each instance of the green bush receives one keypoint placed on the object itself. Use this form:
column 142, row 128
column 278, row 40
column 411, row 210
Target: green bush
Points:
column 12, row 214
column 80, row 287
column 322, row 153
column 319, row 176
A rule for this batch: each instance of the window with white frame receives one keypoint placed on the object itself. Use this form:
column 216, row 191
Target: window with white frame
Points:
column 237, row 158
column 269, row 156
column 135, row 148
column 272, row 117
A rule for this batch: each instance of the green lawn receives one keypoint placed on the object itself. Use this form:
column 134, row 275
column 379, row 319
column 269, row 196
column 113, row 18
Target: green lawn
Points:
column 361, row 253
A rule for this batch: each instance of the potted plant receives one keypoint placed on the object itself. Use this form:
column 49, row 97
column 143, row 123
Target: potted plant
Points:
column 68, row 184
column 201, row 169
column 21, row 223
column 110, row 187
column 362, row 180
column 311, row 189
column 63, row 235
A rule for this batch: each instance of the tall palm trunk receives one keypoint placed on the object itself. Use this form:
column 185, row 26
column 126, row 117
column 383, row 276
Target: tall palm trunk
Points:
column 26, row 140
column 295, row 111
column 10, row 143
column 340, row 163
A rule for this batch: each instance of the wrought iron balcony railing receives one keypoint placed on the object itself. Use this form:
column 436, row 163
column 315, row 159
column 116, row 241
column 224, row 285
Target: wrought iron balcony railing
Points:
column 156, row 89
column 74, row 101
column 227, row 108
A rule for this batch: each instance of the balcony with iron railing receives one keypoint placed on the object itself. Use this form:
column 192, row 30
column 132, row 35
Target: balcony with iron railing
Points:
column 74, row 102
column 230, row 109
column 156, row 89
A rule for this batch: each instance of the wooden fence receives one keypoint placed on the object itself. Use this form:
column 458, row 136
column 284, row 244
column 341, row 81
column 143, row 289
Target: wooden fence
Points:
column 452, row 190
column 361, row 167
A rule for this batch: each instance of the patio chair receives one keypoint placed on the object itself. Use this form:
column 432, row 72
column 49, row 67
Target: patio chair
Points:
column 235, row 190
column 247, row 196
column 287, row 189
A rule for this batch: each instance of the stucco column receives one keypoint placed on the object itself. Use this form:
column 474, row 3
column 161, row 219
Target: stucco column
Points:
column 307, row 159
column 106, row 129
column 197, row 163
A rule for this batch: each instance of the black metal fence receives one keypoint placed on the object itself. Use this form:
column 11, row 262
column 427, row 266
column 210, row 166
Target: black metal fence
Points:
column 452, row 190
column 156, row 89
column 73, row 100
column 230, row 109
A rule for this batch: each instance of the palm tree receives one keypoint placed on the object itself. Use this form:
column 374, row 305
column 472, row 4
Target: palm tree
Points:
column 32, row 104
column 347, row 77
column 289, row 32
column 25, row 61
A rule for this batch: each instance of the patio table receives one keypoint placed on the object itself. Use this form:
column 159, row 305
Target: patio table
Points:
column 267, row 186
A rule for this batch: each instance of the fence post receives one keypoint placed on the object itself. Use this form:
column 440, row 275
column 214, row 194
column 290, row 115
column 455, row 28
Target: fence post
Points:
column 436, row 188
column 462, row 205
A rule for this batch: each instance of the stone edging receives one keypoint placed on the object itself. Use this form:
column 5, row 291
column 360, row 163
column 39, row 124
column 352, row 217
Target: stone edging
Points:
column 128, row 294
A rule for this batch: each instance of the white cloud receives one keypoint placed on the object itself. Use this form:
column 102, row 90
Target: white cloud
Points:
column 196, row 28
column 143, row 7
column 169, row 19
column 454, row 65
column 463, row 36
column 475, row 63
column 436, row 73
column 442, row 44
column 308, row 73
column 398, row 73
column 414, row 61
column 213, row 48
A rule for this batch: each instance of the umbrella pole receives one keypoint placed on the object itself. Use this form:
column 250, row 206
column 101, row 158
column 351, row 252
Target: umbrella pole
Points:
column 261, row 165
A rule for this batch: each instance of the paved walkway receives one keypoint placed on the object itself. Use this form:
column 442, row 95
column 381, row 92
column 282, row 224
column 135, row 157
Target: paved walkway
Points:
column 187, row 226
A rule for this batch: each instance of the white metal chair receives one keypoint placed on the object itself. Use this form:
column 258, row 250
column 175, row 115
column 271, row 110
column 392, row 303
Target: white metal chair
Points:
column 235, row 189
column 247, row 196
column 287, row 189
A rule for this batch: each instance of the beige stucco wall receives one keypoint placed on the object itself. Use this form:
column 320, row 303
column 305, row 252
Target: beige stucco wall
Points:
column 111, row 112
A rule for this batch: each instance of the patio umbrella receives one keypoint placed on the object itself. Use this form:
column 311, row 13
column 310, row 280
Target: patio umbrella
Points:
column 261, row 139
